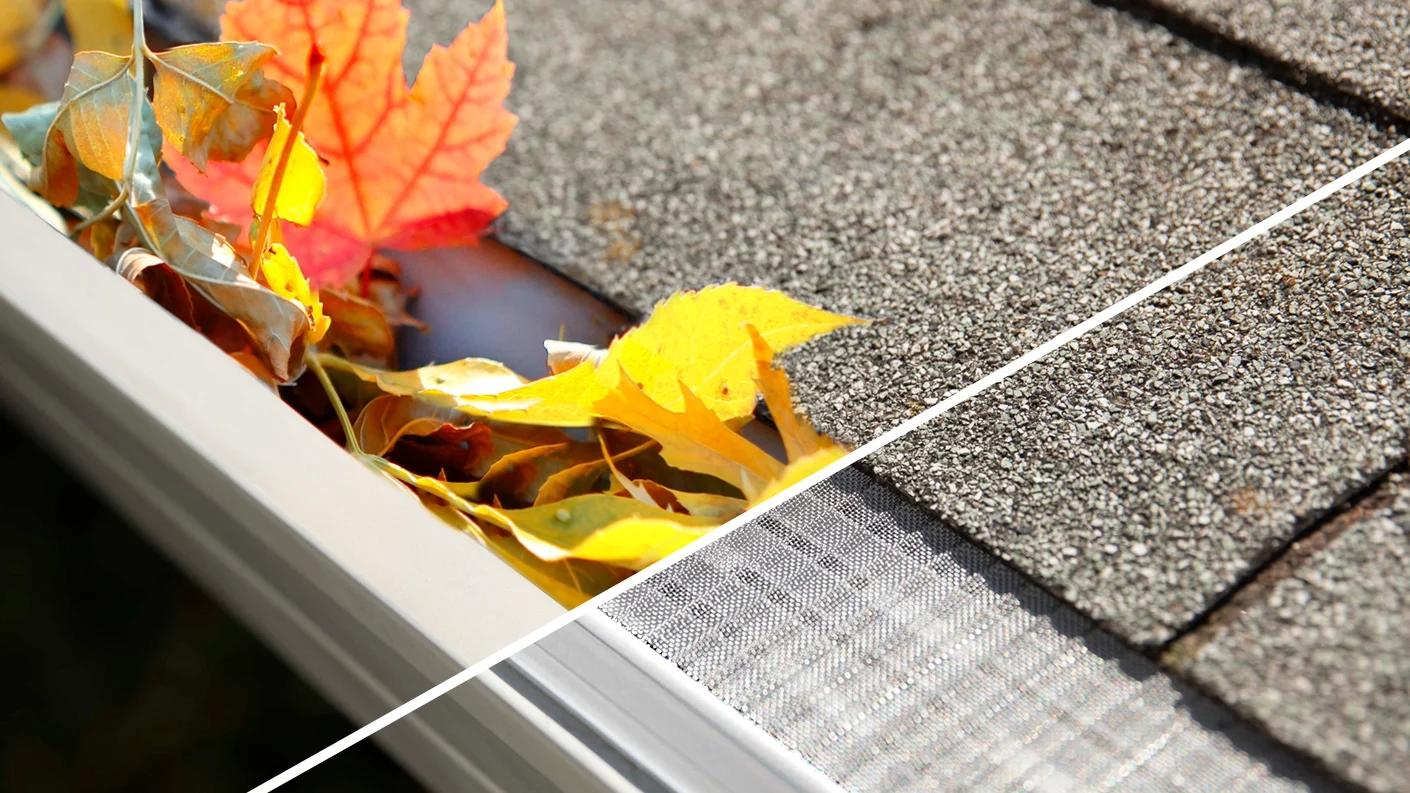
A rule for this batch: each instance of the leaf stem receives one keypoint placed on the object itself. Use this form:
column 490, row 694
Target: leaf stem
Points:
column 316, row 60
column 312, row 361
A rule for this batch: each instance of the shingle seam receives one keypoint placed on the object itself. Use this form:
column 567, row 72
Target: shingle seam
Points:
column 1322, row 87
column 1317, row 532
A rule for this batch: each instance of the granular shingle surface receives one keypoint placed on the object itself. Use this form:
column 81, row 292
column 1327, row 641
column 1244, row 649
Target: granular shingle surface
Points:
column 981, row 174
column 1362, row 46
column 1324, row 661
column 1144, row 470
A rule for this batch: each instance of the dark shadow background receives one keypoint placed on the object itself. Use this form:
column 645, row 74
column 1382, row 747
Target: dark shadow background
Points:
column 124, row 676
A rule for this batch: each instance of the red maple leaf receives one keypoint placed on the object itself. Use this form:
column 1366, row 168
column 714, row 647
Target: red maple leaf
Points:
column 403, row 165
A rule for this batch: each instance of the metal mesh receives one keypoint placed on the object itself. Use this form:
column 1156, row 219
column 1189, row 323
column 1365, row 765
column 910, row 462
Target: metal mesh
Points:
column 897, row 656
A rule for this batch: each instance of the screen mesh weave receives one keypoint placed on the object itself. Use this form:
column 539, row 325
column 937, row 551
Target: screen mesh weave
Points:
column 897, row 656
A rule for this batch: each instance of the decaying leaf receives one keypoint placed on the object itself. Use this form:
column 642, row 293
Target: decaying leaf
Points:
column 16, row 22
column 90, row 126
column 213, row 101
column 403, row 164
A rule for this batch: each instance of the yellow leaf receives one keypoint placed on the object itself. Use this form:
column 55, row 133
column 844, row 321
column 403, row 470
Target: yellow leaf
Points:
column 214, row 103
column 571, row 582
column 799, row 438
column 798, row 470
column 601, row 528
column 561, row 400
column 387, row 419
column 17, row 18
column 697, row 340
column 710, row 505
column 303, row 184
column 103, row 25
column 693, row 440
column 468, row 376
column 90, row 127
column 283, row 276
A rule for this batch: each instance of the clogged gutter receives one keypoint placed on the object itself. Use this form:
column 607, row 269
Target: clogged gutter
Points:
column 253, row 187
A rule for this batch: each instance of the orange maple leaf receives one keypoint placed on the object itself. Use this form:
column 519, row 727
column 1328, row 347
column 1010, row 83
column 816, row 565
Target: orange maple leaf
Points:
column 403, row 165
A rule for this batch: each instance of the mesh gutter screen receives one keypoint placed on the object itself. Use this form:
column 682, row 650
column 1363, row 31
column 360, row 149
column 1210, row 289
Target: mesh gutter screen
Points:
column 896, row 656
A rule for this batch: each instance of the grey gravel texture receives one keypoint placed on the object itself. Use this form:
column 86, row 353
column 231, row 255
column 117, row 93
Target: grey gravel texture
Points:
column 1324, row 662
column 980, row 173
column 1362, row 46
column 1142, row 471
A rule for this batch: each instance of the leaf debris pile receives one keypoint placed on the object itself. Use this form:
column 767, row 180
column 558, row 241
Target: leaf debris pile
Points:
column 249, row 186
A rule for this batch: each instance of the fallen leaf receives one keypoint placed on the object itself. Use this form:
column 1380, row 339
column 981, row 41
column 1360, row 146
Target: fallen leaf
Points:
column 403, row 164
column 213, row 101
column 797, row 471
column 209, row 265
column 599, row 527
column 698, row 341
column 359, row 329
column 571, row 582
column 303, row 186
column 89, row 127
column 467, row 376
column 694, row 439
column 799, row 437
column 387, row 419
column 15, row 100
column 564, row 355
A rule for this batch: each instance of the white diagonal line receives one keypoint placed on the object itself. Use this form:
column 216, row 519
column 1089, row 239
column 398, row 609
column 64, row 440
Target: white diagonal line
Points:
column 949, row 403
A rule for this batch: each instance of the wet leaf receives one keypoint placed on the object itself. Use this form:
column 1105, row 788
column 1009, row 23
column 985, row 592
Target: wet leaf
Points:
column 213, row 101
column 403, row 164
column 694, row 439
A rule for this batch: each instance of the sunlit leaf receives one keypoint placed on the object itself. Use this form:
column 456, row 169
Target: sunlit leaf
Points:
column 600, row 527
column 281, row 273
column 211, row 266
column 213, row 101
column 697, row 340
column 90, row 127
column 798, row 470
column 466, row 376
column 303, row 185
column 799, row 437
column 387, row 419
column 571, row 582
column 403, row 165
column 694, row 439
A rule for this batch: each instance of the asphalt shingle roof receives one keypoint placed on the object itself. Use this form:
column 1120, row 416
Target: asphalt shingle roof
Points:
column 1358, row 46
column 982, row 175
column 1322, row 659
column 1143, row 471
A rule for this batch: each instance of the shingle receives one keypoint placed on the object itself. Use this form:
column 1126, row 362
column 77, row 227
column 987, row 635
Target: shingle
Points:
column 1145, row 470
column 1323, row 660
column 979, row 174
column 1362, row 47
